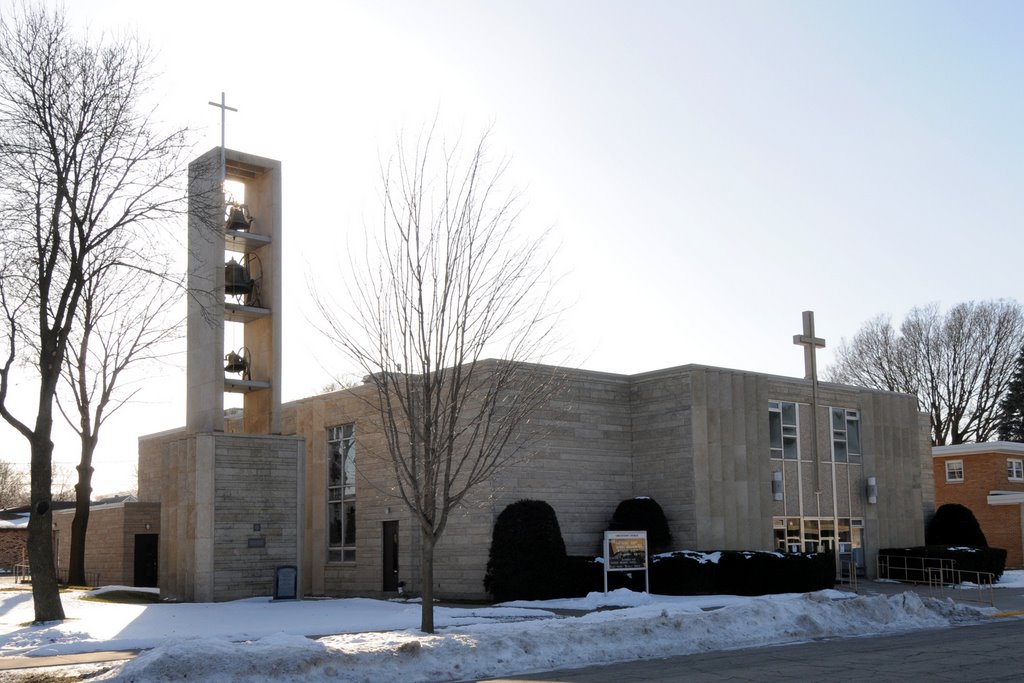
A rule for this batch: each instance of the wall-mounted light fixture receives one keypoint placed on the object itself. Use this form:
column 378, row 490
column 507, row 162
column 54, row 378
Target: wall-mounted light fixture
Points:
column 872, row 490
column 777, row 485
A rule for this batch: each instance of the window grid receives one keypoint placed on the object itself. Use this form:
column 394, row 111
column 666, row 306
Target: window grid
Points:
column 846, row 444
column 1015, row 469
column 811, row 535
column 783, row 430
column 954, row 471
column 341, row 494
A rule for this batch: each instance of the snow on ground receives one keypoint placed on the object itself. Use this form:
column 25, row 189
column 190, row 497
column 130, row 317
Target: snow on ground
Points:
column 1010, row 579
column 372, row 640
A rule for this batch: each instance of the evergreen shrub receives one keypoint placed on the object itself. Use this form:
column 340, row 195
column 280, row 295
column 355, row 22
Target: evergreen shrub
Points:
column 728, row 572
column 643, row 514
column 966, row 558
column 953, row 524
column 527, row 560
column 583, row 575
column 737, row 572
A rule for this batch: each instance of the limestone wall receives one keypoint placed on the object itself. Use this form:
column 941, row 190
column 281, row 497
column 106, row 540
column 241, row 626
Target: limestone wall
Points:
column 663, row 451
column 231, row 511
column 256, row 512
column 574, row 454
column 694, row 438
column 109, row 542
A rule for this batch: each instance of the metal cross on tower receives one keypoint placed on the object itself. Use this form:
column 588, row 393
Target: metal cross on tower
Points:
column 224, row 109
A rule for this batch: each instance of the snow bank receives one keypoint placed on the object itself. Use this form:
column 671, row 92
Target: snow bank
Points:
column 658, row 629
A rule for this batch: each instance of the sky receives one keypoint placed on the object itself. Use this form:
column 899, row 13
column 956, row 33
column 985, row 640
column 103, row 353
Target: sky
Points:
column 707, row 170
column 259, row 640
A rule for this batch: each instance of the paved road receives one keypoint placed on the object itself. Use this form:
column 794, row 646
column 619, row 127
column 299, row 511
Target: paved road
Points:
column 986, row 652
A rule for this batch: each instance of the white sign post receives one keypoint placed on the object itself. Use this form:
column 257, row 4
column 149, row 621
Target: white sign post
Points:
column 626, row 551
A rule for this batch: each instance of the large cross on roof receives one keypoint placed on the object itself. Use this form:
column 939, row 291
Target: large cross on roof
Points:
column 811, row 344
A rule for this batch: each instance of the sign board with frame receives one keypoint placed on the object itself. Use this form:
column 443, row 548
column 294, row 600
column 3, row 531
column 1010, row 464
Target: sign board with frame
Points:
column 626, row 551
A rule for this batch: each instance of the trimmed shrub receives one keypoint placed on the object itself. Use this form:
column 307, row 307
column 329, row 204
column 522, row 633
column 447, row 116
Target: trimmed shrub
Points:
column 953, row 524
column 728, row 572
column 583, row 575
column 991, row 560
column 684, row 572
column 527, row 559
column 734, row 572
column 643, row 514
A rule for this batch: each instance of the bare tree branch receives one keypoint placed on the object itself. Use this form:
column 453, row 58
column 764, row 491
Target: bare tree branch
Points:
column 451, row 284
column 958, row 365
column 85, row 179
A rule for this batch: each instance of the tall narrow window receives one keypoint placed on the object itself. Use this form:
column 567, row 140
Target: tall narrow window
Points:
column 783, row 430
column 846, row 435
column 341, row 494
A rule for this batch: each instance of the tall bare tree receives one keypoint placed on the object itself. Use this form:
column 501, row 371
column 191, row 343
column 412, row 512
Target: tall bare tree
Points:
column 83, row 169
column 117, row 328
column 450, row 282
column 958, row 364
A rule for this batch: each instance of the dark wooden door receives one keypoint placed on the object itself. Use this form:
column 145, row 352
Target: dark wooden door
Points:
column 146, row 548
column 389, row 536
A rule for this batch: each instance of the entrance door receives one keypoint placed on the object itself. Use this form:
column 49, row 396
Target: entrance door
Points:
column 389, row 538
column 146, row 559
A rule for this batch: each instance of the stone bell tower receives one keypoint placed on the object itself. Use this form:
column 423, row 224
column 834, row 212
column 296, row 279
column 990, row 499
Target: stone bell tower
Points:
column 234, row 258
column 231, row 495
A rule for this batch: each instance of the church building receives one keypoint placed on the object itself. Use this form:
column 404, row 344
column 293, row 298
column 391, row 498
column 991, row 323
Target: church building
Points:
column 738, row 460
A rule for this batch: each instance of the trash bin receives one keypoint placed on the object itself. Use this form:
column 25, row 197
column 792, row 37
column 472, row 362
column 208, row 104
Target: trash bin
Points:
column 286, row 582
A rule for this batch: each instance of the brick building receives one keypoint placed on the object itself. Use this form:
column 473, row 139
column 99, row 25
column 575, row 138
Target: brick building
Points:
column 13, row 540
column 987, row 478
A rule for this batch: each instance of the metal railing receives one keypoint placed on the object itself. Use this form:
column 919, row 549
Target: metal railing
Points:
column 913, row 569
column 938, row 573
column 92, row 579
column 22, row 572
column 847, row 573
column 939, row 580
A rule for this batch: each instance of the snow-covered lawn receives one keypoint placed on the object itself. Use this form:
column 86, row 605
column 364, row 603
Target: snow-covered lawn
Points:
column 375, row 640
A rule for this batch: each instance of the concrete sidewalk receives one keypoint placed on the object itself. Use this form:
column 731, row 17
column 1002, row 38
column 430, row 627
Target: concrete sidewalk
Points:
column 15, row 663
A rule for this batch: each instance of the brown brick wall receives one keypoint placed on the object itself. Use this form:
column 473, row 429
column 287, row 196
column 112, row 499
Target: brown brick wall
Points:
column 12, row 547
column 985, row 472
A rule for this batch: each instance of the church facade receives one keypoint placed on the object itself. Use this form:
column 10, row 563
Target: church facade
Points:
column 738, row 460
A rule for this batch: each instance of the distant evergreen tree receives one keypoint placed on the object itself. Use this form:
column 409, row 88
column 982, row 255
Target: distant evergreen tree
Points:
column 1011, row 408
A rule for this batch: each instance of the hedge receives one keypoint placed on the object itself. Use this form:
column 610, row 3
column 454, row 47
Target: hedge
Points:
column 967, row 558
column 727, row 572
